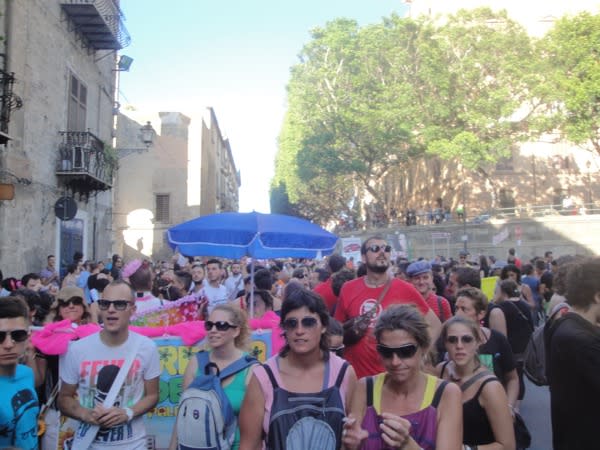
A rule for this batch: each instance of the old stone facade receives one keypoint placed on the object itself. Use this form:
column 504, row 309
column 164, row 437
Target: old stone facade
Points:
column 220, row 190
column 177, row 178
column 535, row 181
column 64, row 76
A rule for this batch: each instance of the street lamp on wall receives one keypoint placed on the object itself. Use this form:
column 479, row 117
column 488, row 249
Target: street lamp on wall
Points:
column 147, row 135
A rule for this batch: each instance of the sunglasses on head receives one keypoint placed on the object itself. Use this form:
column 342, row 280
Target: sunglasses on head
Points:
column 15, row 335
column 465, row 339
column 402, row 352
column 220, row 324
column 75, row 301
column 377, row 248
column 119, row 305
column 292, row 323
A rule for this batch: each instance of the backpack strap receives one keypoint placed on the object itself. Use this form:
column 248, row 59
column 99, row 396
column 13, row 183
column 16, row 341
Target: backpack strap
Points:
column 438, row 394
column 237, row 366
column 203, row 359
column 478, row 393
column 444, row 365
column 341, row 374
column 271, row 376
column 370, row 389
column 467, row 384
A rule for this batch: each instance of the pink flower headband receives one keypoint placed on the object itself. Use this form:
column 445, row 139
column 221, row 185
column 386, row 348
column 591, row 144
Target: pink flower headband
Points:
column 131, row 268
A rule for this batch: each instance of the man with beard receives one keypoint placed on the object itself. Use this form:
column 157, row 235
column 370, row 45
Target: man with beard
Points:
column 362, row 296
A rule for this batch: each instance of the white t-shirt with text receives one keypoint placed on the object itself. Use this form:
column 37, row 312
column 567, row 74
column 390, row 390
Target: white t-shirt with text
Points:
column 93, row 366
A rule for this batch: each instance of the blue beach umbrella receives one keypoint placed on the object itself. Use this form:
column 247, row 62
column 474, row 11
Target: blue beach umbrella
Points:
column 233, row 235
column 261, row 236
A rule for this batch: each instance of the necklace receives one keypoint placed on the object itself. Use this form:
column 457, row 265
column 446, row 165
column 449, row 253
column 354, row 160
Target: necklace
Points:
column 375, row 284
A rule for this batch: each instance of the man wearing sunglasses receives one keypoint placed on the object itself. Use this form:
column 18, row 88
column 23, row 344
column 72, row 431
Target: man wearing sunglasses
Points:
column 369, row 295
column 19, row 407
column 91, row 365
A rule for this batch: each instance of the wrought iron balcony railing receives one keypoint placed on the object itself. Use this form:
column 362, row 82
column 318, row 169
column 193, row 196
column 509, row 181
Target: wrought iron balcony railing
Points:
column 84, row 163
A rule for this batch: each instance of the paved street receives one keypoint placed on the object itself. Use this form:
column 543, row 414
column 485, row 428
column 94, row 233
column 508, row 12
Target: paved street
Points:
column 535, row 409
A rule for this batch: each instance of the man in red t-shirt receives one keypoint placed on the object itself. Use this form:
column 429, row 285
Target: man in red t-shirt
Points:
column 420, row 276
column 361, row 295
column 334, row 264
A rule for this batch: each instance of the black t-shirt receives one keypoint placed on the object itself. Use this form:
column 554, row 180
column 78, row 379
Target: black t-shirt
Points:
column 519, row 324
column 496, row 354
column 574, row 369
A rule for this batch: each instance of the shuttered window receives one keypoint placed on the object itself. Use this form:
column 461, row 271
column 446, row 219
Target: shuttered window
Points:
column 162, row 208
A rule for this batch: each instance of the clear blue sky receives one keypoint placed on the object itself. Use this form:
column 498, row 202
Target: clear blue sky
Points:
column 235, row 56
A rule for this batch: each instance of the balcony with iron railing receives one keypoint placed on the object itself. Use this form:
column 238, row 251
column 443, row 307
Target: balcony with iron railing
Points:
column 84, row 163
column 98, row 22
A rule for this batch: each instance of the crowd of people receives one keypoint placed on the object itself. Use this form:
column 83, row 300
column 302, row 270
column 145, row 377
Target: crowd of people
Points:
column 388, row 354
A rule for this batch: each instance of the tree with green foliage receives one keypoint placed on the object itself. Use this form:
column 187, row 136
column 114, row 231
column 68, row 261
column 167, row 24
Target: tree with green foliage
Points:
column 365, row 103
column 569, row 80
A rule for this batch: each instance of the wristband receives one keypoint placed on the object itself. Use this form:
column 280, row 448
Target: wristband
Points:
column 129, row 413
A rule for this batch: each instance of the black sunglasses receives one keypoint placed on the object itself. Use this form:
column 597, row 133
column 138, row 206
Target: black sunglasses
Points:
column 75, row 301
column 377, row 248
column 300, row 276
column 337, row 350
column 466, row 339
column 120, row 305
column 220, row 324
column 402, row 352
column 292, row 323
column 15, row 335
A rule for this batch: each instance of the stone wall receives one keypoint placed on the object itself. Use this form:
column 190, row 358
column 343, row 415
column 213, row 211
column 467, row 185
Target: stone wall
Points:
column 562, row 235
column 42, row 52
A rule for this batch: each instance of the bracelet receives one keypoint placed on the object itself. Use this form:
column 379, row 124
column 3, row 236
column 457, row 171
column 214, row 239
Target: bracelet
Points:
column 129, row 413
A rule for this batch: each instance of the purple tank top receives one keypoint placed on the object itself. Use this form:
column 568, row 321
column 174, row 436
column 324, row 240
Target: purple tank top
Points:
column 423, row 423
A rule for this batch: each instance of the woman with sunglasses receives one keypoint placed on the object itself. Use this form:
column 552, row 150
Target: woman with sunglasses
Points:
column 298, row 398
column 487, row 420
column 227, row 334
column 403, row 407
column 69, row 305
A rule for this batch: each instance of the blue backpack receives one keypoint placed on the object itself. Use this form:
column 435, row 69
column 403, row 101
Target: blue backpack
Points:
column 205, row 419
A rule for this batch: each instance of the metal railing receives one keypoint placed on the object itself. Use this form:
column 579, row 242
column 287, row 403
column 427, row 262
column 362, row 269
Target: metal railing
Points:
column 111, row 14
column 83, row 153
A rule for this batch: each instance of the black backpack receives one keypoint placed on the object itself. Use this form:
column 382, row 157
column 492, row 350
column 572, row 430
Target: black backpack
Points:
column 534, row 357
column 306, row 421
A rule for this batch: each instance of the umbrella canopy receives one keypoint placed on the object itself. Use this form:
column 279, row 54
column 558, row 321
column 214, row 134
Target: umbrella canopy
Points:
column 233, row 235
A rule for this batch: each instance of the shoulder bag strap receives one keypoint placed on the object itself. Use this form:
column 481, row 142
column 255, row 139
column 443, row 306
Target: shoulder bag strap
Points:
column 86, row 440
column 467, row 384
column 440, row 309
column 382, row 295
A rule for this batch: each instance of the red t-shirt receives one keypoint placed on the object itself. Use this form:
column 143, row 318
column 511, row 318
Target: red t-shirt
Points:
column 432, row 302
column 326, row 292
column 356, row 298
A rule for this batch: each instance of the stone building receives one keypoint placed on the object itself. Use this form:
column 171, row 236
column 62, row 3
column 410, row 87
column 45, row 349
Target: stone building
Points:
column 62, row 54
column 220, row 190
column 178, row 177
